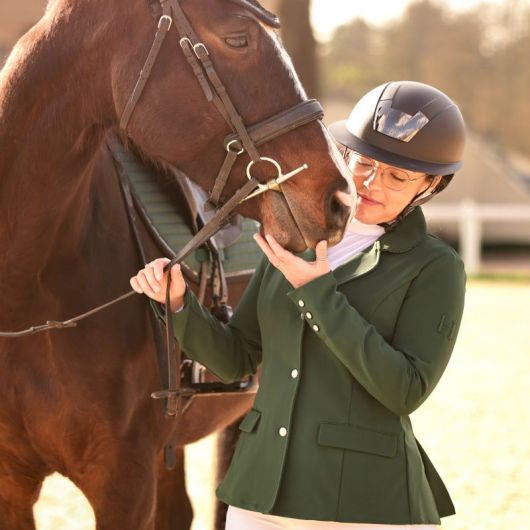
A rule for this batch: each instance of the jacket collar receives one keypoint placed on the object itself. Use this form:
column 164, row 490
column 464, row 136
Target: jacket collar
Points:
column 407, row 235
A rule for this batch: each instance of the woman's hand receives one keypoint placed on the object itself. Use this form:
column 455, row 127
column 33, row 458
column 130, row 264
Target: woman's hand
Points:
column 297, row 271
column 152, row 281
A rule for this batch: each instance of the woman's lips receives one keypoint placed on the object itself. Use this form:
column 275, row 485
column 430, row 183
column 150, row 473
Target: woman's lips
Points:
column 369, row 202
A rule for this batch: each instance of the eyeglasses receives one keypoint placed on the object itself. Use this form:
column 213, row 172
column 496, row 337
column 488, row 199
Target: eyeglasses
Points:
column 365, row 167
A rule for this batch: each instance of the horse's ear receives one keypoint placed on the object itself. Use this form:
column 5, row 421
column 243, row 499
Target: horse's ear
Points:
column 255, row 7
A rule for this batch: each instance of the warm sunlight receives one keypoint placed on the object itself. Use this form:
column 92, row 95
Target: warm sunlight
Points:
column 328, row 14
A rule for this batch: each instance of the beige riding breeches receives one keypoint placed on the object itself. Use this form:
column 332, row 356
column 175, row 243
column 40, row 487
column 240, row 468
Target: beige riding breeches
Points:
column 239, row 519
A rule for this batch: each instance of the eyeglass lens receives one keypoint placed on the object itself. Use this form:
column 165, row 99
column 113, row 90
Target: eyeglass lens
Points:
column 364, row 167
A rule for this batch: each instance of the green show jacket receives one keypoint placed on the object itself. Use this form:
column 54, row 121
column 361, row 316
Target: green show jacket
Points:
column 346, row 358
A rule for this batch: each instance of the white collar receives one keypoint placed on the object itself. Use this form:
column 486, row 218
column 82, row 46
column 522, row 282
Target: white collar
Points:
column 356, row 227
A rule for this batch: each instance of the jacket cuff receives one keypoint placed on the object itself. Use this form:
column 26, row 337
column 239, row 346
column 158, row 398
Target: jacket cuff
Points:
column 309, row 299
column 179, row 317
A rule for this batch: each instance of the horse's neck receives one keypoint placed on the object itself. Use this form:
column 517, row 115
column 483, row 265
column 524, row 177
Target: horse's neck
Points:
column 48, row 138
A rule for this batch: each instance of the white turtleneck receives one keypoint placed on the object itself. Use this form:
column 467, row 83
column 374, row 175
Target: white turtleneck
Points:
column 357, row 237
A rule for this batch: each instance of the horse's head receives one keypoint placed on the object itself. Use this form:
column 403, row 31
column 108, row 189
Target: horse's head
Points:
column 173, row 123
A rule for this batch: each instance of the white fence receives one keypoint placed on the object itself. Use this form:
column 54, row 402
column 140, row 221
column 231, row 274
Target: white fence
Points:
column 469, row 215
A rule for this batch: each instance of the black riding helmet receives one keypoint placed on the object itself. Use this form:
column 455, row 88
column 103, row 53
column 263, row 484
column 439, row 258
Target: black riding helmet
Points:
column 409, row 125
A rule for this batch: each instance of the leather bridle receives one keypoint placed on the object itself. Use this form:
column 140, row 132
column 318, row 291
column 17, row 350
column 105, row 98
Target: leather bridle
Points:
column 242, row 139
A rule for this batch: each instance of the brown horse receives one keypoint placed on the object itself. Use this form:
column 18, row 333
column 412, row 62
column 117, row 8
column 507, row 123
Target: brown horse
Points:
column 77, row 400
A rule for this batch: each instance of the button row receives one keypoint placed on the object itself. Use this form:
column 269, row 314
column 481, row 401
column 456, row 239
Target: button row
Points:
column 308, row 315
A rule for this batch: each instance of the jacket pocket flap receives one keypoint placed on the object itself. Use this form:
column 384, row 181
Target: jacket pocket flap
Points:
column 250, row 421
column 357, row 439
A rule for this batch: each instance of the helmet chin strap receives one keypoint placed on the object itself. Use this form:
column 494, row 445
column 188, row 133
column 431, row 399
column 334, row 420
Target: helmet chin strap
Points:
column 417, row 200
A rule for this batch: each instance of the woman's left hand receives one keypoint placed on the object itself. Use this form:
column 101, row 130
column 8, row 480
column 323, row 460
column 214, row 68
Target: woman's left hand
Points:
column 297, row 271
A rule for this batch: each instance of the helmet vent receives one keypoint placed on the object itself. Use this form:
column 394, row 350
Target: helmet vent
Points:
column 398, row 124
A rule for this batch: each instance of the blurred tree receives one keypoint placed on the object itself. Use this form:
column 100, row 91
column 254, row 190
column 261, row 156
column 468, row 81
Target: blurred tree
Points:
column 300, row 42
column 298, row 38
column 479, row 58
column 351, row 64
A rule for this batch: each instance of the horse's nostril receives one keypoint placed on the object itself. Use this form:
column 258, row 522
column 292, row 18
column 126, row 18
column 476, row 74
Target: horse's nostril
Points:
column 336, row 206
column 345, row 198
column 338, row 209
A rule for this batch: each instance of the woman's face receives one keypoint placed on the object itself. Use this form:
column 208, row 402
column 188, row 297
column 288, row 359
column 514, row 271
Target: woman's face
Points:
column 383, row 190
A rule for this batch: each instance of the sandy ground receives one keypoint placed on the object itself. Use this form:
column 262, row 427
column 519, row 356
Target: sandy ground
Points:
column 475, row 426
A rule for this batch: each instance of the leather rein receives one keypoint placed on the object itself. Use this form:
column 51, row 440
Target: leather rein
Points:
column 242, row 139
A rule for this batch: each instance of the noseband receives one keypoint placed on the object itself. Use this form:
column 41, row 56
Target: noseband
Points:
column 242, row 139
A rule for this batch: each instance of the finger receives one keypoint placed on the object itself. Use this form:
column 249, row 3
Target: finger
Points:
column 321, row 251
column 144, row 284
column 149, row 274
column 283, row 255
column 176, row 273
column 277, row 248
column 134, row 284
column 158, row 266
column 263, row 244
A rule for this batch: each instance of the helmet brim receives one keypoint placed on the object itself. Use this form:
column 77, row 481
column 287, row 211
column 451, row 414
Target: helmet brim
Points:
column 342, row 135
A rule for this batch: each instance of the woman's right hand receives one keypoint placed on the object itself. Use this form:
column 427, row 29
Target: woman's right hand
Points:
column 152, row 281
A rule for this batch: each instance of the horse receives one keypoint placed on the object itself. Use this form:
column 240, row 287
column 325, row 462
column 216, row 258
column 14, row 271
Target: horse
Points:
column 77, row 401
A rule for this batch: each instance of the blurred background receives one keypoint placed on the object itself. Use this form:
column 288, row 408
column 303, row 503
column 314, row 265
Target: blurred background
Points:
column 476, row 425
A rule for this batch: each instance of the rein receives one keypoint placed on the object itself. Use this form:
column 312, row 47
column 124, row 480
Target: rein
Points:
column 242, row 139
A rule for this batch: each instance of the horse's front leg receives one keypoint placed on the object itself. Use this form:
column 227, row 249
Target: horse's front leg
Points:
column 174, row 510
column 18, row 494
column 22, row 471
column 120, row 484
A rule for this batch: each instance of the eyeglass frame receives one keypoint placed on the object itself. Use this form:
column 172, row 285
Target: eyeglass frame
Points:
column 376, row 166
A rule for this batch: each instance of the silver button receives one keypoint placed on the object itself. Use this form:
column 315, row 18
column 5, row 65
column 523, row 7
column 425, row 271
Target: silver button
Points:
column 309, row 315
column 294, row 373
column 301, row 303
column 282, row 431
column 315, row 328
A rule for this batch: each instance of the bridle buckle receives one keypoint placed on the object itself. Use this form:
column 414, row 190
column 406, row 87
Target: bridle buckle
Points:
column 165, row 18
column 195, row 47
column 198, row 46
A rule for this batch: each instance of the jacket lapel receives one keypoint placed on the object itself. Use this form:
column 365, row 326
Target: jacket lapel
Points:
column 360, row 264
column 408, row 234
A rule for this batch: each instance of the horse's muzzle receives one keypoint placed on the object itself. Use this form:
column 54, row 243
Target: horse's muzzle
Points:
column 340, row 208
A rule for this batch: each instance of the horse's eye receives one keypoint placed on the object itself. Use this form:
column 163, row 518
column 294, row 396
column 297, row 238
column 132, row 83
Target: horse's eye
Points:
column 237, row 41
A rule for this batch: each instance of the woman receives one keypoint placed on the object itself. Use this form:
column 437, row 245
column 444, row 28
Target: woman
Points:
column 351, row 342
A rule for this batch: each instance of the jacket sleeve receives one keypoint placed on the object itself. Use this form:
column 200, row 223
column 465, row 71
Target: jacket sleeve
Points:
column 231, row 351
column 400, row 374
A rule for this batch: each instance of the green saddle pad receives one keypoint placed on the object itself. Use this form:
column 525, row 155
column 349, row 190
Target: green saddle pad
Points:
column 165, row 213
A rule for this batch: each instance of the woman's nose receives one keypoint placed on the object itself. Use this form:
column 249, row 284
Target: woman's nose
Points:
column 372, row 181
